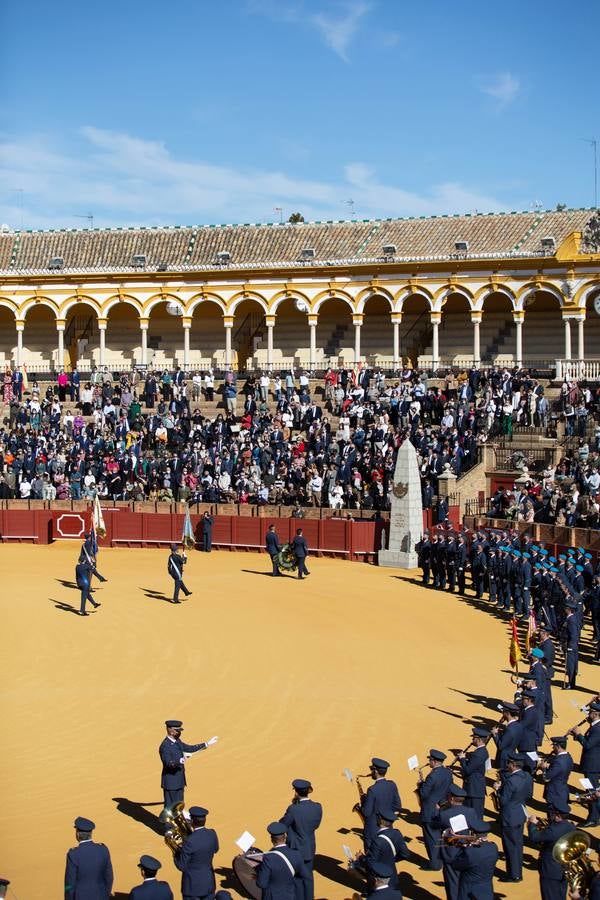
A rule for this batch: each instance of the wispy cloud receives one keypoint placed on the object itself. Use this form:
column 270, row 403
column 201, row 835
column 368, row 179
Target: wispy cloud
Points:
column 503, row 88
column 126, row 180
column 338, row 25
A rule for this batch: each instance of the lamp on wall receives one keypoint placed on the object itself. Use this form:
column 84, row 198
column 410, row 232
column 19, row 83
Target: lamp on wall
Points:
column 174, row 309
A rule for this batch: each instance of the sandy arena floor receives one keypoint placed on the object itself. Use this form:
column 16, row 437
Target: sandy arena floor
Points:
column 298, row 680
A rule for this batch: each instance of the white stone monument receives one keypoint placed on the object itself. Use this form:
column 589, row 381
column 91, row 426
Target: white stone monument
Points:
column 406, row 517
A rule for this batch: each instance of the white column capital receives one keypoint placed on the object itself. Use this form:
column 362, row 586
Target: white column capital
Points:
column 102, row 323
column 144, row 324
column 20, row 324
column 60, row 324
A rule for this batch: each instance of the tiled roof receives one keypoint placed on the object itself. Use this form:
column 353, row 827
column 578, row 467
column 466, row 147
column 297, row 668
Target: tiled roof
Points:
column 191, row 247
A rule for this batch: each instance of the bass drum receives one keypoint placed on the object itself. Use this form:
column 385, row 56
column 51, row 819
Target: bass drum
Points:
column 244, row 868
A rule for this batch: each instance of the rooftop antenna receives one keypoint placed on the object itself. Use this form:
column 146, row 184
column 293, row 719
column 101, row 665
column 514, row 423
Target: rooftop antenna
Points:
column 537, row 206
column 279, row 209
column 89, row 217
column 350, row 204
column 594, row 145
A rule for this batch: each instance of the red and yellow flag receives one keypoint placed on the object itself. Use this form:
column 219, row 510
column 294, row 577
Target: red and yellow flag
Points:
column 531, row 629
column 514, row 653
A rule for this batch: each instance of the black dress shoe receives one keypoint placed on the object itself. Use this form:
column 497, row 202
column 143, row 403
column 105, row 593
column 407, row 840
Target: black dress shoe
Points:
column 589, row 823
column 84, row 614
column 96, row 605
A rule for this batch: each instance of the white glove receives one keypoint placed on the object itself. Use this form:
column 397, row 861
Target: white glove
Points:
column 211, row 741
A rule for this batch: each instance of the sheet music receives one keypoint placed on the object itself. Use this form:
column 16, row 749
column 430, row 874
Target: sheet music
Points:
column 245, row 841
column 413, row 762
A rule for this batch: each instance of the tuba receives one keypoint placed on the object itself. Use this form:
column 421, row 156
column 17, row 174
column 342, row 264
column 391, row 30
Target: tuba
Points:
column 571, row 852
column 178, row 828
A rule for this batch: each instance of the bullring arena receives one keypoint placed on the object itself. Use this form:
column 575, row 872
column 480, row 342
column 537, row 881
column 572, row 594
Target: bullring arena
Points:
column 359, row 661
column 298, row 680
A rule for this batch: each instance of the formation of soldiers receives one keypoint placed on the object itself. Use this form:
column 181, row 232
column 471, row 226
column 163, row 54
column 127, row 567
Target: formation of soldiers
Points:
column 519, row 577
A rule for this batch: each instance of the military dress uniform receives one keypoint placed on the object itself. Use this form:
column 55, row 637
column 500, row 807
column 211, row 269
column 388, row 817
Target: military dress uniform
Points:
column 432, row 791
column 83, row 576
column 175, row 569
column 449, row 852
column 386, row 849
column 556, row 776
column 195, row 860
column 383, row 794
column 507, row 740
column 515, row 792
column 473, row 768
column 572, row 631
column 173, row 765
column 590, row 760
column 281, row 873
column 302, row 818
column 553, row 881
column 423, row 549
column 151, row 888
column 88, row 871
column 476, row 866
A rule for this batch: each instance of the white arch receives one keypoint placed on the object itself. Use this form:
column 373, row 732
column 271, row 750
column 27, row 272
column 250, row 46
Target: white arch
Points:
column 249, row 295
column 334, row 296
column 201, row 299
column 289, row 295
column 410, row 292
column 74, row 301
column 8, row 304
column 162, row 298
column 39, row 301
column 370, row 294
column 116, row 300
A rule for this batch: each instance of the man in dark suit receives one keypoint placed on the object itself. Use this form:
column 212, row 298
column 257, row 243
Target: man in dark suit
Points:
column 383, row 794
column 514, row 792
column 476, row 865
column 175, row 569
column 590, row 757
column 386, row 849
column 88, row 873
column 553, row 880
column 556, row 773
column 473, row 768
column 195, row 860
column 207, row 526
column 302, row 818
column 432, row 791
column 273, row 548
column 171, row 753
column 300, row 548
column 507, row 740
column 17, row 384
column 151, row 888
column 281, row 873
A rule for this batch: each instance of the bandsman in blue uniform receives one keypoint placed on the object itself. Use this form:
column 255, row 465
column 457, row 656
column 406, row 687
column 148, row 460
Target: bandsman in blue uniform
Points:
column 195, row 859
column 553, row 880
column 281, row 874
column 171, row 753
column 590, row 758
column 433, row 790
column 383, row 794
column 386, row 849
column 382, row 889
column 571, row 631
column 478, row 571
column 175, row 569
column 88, row 872
column 556, row 772
column 150, row 888
column 514, row 792
column 456, row 807
column 475, row 864
column 507, row 738
column 302, row 818
column 83, row 576
column 89, row 554
column 547, row 648
column 473, row 767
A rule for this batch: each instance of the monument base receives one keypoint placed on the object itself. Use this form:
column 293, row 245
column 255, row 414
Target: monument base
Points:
column 398, row 559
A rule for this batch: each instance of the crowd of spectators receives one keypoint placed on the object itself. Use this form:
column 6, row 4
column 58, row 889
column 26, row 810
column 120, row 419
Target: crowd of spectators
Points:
column 269, row 439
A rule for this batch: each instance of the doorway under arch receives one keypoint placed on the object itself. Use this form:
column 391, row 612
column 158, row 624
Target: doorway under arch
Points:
column 543, row 317
column 415, row 329
column 377, row 333
column 207, row 336
column 291, row 337
column 123, row 341
column 335, row 335
column 456, row 332
column 40, row 339
column 249, row 335
column 497, row 332
column 165, row 338
column 81, row 340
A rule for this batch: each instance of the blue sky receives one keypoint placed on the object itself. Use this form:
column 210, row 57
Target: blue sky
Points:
column 188, row 112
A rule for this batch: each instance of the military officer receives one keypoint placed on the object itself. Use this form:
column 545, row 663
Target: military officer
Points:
column 175, row 566
column 461, row 563
column 530, row 722
column 508, row 739
column 273, row 548
column 423, row 549
column 432, row 791
column 195, row 860
column 478, row 571
column 171, row 753
column 571, row 631
column 547, row 648
column 556, row 772
column 456, row 807
column 451, row 563
column 386, row 849
column 590, row 757
column 493, row 570
column 302, row 818
column 513, row 793
column 88, row 872
column 151, row 888
column 300, row 549
column 89, row 554
column 473, row 768
column 83, row 576
column 553, row 880
column 383, row 794
column 476, row 864
column 281, row 872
